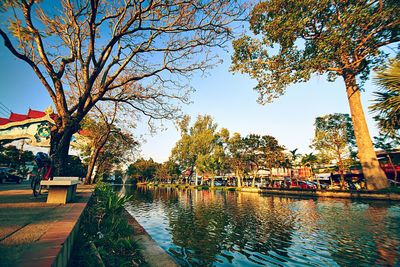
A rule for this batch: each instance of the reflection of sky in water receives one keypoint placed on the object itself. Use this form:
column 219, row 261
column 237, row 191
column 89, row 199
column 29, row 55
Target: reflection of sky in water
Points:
column 246, row 229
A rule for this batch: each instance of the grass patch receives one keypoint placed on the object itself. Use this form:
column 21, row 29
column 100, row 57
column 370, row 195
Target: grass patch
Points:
column 104, row 226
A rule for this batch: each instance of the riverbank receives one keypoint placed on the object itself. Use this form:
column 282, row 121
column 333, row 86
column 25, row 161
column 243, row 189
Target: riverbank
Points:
column 390, row 194
column 210, row 227
column 109, row 236
column 154, row 255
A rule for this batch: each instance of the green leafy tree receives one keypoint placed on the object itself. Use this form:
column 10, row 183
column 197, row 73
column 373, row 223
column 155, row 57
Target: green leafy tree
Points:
column 334, row 136
column 296, row 38
column 387, row 101
column 142, row 170
column 237, row 159
column 101, row 127
column 76, row 167
column 262, row 152
column 310, row 159
column 174, row 170
column 10, row 156
column 103, row 158
column 162, row 173
column 136, row 53
column 196, row 142
column 215, row 162
column 15, row 158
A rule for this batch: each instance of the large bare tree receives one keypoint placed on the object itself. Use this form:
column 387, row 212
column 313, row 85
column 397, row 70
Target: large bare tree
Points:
column 139, row 53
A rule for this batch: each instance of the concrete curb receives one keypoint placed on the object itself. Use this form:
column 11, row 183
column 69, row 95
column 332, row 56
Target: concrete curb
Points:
column 365, row 195
column 54, row 247
column 154, row 255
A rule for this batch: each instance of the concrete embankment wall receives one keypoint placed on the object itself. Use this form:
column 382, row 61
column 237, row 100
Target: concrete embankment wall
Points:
column 154, row 255
column 327, row 193
column 55, row 246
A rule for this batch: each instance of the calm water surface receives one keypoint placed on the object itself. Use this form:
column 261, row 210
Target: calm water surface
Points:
column 213, row 228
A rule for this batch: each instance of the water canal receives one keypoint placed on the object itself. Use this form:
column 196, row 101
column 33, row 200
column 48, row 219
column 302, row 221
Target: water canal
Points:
column 215, row 228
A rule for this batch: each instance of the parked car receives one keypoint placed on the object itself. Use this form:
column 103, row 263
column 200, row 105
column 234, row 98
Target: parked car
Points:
column 307, row 185
column 323, row 186
column 6, row 174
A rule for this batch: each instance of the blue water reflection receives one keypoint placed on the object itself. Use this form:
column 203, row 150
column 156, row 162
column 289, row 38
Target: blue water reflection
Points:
column 213, row 228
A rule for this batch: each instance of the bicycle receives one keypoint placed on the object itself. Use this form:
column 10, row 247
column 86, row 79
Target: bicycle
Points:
column 44, row 172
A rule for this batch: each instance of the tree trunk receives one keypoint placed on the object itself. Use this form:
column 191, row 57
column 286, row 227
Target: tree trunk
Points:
column 92, row 163
column 212, row 181
column 98, row 145
column 239, row 181
column 253, row 184
column 59, row 147
column 393, row 167
column 340, row 167
column 374, row 175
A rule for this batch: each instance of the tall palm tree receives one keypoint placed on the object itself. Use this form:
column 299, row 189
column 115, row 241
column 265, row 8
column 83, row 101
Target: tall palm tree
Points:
column 387, row 102
column 294, row 155
column 310, row 157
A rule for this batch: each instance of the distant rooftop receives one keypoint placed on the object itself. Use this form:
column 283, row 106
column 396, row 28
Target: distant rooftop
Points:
column 32, row 114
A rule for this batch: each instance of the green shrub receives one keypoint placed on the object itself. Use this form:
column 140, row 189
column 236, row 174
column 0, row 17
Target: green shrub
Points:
column 104, row 225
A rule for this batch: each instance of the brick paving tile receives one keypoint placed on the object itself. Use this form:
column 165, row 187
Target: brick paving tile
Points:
column 21, row 208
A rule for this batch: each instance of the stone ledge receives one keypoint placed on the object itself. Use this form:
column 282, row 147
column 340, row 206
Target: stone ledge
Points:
column 54, row 247
column 154, row 255
column 333, row 194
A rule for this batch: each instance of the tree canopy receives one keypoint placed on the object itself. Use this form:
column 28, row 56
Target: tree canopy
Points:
column 103, row 134
column 296, row 38
column 196, row 143
column 334, row 138
column 324, row 36
column 142, row 170
column 262, row 152
column 13, row 157
column 334, row 132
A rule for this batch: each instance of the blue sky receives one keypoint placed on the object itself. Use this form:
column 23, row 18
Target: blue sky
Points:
column 229, row 99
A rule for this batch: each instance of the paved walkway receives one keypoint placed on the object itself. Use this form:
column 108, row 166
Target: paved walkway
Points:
column 33, row 233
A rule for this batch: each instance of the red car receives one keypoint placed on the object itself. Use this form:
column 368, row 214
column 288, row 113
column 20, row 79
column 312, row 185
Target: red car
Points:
column 307, row 185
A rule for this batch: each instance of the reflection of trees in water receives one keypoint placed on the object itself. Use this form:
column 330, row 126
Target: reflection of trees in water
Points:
column 143, row 193
column 223, row 224
column 262, row 225
column 359, row 233
column 196, row 227
column 208, row 227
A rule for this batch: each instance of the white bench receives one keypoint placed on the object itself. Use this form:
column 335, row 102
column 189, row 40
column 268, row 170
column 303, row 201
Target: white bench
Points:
column 61, row 189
